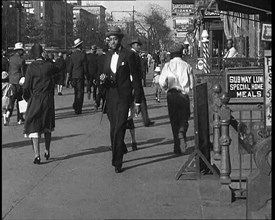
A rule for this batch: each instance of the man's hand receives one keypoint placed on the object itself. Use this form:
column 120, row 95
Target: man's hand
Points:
column 137, row 109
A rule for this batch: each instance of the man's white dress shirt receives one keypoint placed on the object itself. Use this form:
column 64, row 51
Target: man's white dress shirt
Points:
column 176, row 74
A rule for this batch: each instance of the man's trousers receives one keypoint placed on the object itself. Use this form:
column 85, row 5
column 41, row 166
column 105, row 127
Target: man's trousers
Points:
column 179, row 113
column 117, row 112
column 78, row 85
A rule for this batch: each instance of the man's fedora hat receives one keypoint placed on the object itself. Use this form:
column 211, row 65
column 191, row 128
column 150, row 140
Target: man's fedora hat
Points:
column 19, row 46
column 114, row 31
column 77, row 42
column 136, row 40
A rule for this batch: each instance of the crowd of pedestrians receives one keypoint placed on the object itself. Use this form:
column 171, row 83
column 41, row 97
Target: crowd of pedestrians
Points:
column 114, row 76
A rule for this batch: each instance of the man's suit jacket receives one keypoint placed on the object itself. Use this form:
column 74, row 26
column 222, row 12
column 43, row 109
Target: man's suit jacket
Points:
column 92, row 65
column 78, row 65
column 126, row 66
column 17, row 68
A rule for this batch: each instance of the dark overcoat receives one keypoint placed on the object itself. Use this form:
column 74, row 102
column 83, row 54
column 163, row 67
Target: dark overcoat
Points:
column 38, row 90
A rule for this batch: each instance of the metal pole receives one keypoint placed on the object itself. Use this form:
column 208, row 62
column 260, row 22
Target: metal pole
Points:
column 6, row 24
column 18, row 5
column 133, row 34
column 65, row 27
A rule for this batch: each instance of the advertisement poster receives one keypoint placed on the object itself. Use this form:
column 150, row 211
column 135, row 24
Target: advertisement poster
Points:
column 268, row 87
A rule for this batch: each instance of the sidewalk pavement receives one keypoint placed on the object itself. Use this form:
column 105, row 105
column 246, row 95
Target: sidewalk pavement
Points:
column 78, row 182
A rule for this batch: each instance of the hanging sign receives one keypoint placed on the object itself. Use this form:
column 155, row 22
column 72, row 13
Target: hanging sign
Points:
column 268, row 87
column 245, row 85
column 266, row 32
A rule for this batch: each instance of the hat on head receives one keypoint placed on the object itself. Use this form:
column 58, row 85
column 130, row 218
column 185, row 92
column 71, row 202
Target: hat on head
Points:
column 176, row 48
column 77, row 42
column 5, row 75
column 19, row 46
column 37, row 50
column 136, row 40
column 114, row 31
column 94, row 47
column 157, row 69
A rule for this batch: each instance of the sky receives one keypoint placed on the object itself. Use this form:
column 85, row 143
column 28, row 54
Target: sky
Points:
column 123, row 5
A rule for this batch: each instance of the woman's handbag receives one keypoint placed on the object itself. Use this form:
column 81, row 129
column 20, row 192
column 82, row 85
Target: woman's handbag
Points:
column 22, row 106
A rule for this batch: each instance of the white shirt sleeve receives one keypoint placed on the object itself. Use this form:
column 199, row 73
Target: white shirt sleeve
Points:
column 163, row 77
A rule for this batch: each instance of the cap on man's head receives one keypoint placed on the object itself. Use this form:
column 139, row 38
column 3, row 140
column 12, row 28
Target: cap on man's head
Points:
column 176, row 48
column 114, row 31
column 37, row 50
column 136, row 40
column 19, row 46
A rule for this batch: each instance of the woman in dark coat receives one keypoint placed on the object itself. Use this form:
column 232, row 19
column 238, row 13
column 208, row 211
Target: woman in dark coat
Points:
column 60, row 77
column 38, row 91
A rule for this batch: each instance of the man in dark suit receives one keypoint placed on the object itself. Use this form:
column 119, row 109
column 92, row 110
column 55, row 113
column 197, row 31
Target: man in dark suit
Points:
column 92, row 73
column 119, row 68
column 5, row 61
column 135, row 47
column 144, row 68
column 78, row 71
column 17, row 70
column 101, row 89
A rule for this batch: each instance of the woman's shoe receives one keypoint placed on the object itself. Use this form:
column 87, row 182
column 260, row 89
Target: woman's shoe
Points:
column 47, row 155
column 37, row 160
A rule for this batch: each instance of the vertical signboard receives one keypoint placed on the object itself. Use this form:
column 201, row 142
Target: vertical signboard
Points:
column 268, row 88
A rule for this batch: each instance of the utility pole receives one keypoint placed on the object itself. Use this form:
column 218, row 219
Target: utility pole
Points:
column 65, row 26
column 133, row 30
column 19, row 7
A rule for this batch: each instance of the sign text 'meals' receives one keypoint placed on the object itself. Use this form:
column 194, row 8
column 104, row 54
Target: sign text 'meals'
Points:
column 245, row 86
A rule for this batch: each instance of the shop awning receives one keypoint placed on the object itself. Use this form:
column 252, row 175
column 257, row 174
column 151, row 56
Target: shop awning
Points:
column 246, row 6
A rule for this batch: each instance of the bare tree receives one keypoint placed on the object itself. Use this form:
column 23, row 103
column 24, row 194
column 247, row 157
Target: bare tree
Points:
column 152, row 25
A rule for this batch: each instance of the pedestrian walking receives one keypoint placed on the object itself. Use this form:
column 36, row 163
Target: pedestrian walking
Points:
column 5, row 61
column 7, row 93
column 17, row 69
column 155, row 83
column 176, row 79
column 92, row 74
column 61, row 72
column 100, row 98
column 156, row 58
column 38, row 91
column 135, row 47
column 131, row 126
column 144, row 68
column 67, row 62
column 78, row 71
column 119, row 66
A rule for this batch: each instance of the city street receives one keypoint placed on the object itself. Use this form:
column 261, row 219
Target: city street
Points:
column 78, row 182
